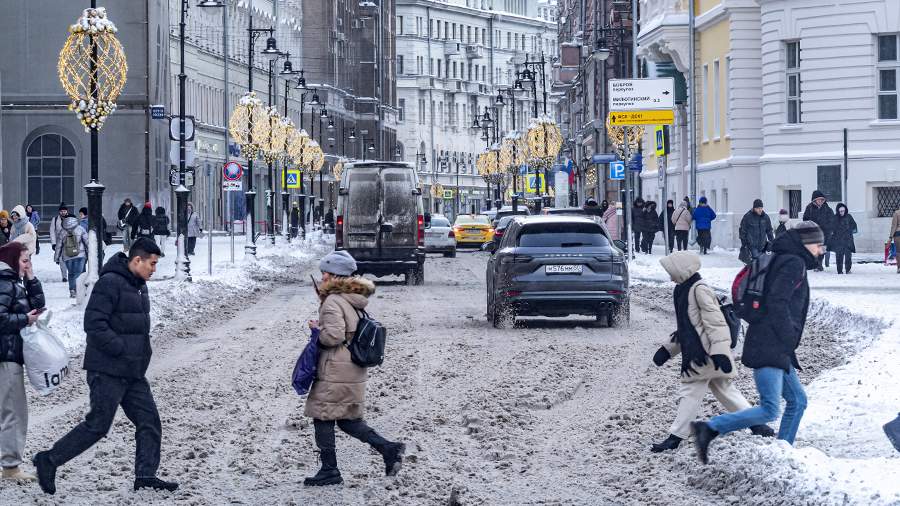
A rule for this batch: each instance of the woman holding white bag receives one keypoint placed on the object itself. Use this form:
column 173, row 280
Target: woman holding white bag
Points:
column 21, row 300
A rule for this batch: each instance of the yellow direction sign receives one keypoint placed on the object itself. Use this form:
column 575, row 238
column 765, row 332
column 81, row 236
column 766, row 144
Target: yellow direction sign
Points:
column 637, row 118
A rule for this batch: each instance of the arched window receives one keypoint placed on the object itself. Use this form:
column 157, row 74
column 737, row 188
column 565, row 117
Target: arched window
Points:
column 50, row 166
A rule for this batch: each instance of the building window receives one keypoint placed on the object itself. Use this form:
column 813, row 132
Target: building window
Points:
column 509, row 40
column 399, row 25
column 792, row 71
column 399, row 64
column 888, row 67
column 421, row 111
column 717, row 102
column 724, row 200
column 50, row 165
column 727, row 95
column 795, row 203
column 401, row 105
column 887, row 200
column 704, row 98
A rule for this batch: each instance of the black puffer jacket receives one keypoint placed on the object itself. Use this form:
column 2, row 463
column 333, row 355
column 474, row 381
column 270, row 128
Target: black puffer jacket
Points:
column 822, row 216
column 755, row 231
column 842, row 234
column 117, row 322
column 17, row 299
column 772, row 342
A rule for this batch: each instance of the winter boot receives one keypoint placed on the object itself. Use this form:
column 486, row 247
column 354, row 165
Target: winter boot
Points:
column 328, row 474
column 46, row 472
column 155, row 484
column 17, row 474
column 392, row 454
column 72, row 294
column 703, row 435
column 762, row 430
column 670, row 443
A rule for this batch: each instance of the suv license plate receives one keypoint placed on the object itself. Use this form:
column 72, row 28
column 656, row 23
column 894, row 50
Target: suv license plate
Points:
column 563, row 269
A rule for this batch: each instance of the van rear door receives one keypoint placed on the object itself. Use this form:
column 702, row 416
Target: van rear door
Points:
column 362, row 212
column 400, row 208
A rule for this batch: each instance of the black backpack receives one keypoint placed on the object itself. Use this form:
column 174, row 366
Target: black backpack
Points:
column 367, row 346
column 748, row 289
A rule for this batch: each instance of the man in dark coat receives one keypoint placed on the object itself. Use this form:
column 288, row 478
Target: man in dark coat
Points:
column 819, row 212
column 117, row 324
column 755, row 232
column 637, row 221
column 295, row 220
column 665, row 220
column 841, row 241
column 771, row 344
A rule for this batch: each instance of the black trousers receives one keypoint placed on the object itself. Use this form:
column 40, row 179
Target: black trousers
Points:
column 681, row 237
column 637, row 238
column 107, row 394
column 355, row 428
column 843, row 259
column 671, row 240
column 647, row 241
column 704, row 239
column 191, row 244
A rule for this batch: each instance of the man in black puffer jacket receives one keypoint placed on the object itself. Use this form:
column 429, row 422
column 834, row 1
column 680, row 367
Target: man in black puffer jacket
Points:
column 117, row 324
column 771, row 344
column 819, row 212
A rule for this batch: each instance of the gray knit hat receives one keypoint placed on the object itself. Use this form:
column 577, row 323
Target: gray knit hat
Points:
column 809, row 232
column 339, row 263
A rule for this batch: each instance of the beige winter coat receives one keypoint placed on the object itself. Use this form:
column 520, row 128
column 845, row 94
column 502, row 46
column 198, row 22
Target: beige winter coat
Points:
column 339, row 391
column 705, row 315
column 895, row 224
column 682, row 218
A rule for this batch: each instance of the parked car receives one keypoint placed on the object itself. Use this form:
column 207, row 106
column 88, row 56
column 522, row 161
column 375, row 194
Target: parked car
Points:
column 472, row 229
column 380, row 219
column 439, row 237
column 556, row 266
column 521, row 210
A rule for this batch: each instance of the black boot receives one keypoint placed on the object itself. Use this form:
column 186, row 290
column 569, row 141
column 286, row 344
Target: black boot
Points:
column 328, row 474
column 46, row 472
column 703, row 435
column 762, row 430
column 155, row 484
column 670, row 443
column 392, row 453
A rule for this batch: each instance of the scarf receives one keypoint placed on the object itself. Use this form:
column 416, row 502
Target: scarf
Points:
column 686, row 336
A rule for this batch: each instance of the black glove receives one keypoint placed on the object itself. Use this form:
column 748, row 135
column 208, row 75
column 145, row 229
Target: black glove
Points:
column 661, row 356
column 721, row 362
column 53, row 246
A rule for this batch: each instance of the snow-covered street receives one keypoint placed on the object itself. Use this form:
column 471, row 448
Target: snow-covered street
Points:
column 551, row 412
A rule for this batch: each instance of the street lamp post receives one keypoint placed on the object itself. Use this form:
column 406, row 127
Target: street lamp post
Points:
column 183, row 262
column 500, row 102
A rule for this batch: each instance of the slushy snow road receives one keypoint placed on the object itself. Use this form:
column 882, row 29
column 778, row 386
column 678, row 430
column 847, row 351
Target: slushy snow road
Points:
column 550, row 412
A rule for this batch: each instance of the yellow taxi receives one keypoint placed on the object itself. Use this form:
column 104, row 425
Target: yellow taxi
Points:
column 473, row 229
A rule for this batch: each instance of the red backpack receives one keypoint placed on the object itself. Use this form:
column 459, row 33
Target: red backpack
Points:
column 748, row 288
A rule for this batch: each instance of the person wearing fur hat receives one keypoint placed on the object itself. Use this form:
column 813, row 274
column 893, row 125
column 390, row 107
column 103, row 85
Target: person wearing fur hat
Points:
column 23, row 231
column 704, row 341
column 5, row 227
column 21, row 296
column 338, row 394
column 783, row 218
column 770, row 348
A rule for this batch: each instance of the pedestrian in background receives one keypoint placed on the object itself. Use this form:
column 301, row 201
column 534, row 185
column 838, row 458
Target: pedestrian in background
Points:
column 71, row 251
column 841, row 241
column 56, row 226
column 144, row 226
column 128, row 216
column 665, row 220
column 895, row 234
column 295, row 220
column 23, row 231
column 5, row 227
column 116, row 357
column 682, row 219
column 771, row 344
column 637, row 212
column 21, row 296
column 703, row 218
column 783, row 218
column 611, row 220
column 819, row 212
column 755, row 232
column 83, row 218
column 35, row 218
column 650, row 227
column 703, row 339
column 194, row 228
column 338, row 393
column 161, row 229
column 592, row 208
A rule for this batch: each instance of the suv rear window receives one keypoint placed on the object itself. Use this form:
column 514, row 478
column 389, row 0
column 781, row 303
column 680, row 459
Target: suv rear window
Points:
column 562, row 235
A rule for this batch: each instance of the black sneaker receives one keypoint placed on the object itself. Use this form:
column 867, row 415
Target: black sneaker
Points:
column 670, row 443
column 703, row 435
column 46, row 472
column 155, row 483
column 762, row 430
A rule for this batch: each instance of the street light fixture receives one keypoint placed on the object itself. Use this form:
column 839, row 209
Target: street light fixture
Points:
column 210, row 3
column 271, row 46
column 315, row 99
column 371, row 147
column 330, row 125
column 352, row 136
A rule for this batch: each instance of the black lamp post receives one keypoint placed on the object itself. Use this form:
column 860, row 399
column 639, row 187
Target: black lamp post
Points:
column 500, row 102
column 183, row 262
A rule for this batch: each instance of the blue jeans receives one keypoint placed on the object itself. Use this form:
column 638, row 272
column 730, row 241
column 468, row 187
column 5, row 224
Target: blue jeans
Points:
column 773, row 384
column 75, row 267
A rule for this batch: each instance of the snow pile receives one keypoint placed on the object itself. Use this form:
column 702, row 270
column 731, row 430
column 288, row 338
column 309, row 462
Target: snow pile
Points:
column 850, row 349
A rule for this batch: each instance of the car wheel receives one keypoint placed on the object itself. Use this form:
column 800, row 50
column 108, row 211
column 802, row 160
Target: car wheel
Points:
column 452, row 253
column 504, row 316
column 419, row 275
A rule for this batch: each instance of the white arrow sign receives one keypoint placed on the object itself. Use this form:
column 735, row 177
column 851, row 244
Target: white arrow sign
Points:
column 641, row 94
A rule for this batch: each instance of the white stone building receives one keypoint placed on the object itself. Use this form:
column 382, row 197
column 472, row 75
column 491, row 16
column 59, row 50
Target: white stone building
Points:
column 452, row 59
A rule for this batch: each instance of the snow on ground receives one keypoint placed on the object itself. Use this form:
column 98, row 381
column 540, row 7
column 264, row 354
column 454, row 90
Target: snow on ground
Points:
column 841, row 451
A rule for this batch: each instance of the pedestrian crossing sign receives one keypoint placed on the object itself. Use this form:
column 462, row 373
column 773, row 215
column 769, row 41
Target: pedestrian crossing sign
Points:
column 536, row 183
column 291, row 179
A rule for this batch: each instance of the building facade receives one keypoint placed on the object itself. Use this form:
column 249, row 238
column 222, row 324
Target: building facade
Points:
column 453, row 58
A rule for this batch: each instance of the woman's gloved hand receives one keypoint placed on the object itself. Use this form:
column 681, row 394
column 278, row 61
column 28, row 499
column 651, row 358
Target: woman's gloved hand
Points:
column 661, row 356
column 722, row 363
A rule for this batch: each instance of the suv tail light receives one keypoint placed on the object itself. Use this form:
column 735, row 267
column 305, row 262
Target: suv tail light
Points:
column 451, row 235
column 420, row 225
column 515, row 259
column 339, row 232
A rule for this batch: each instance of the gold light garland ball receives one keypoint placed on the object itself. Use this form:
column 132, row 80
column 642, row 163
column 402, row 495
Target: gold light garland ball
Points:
column 92, row 30
column 616, row 135
column 337, row 170
column 247, row 113
column 273, row 135
column 296, row 143
column 544, row 139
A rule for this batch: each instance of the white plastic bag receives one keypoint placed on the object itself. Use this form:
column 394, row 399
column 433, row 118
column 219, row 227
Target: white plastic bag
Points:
column 46, row 359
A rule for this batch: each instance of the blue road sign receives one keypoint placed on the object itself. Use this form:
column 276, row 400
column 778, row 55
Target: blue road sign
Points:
column 603, row 158
column 291, row 179
column 157, row 111
column 617, row 170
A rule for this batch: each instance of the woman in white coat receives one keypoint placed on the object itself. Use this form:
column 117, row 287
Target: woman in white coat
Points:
column 22, row 230
column 703, row 339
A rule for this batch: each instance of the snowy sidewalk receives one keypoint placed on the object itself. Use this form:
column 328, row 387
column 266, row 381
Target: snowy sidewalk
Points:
column 841, row 448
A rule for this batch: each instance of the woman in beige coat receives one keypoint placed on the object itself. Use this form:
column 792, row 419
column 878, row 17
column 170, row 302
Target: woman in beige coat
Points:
column 682, row 218
column 895, row 235
column 339, row 391
column 704, row 341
